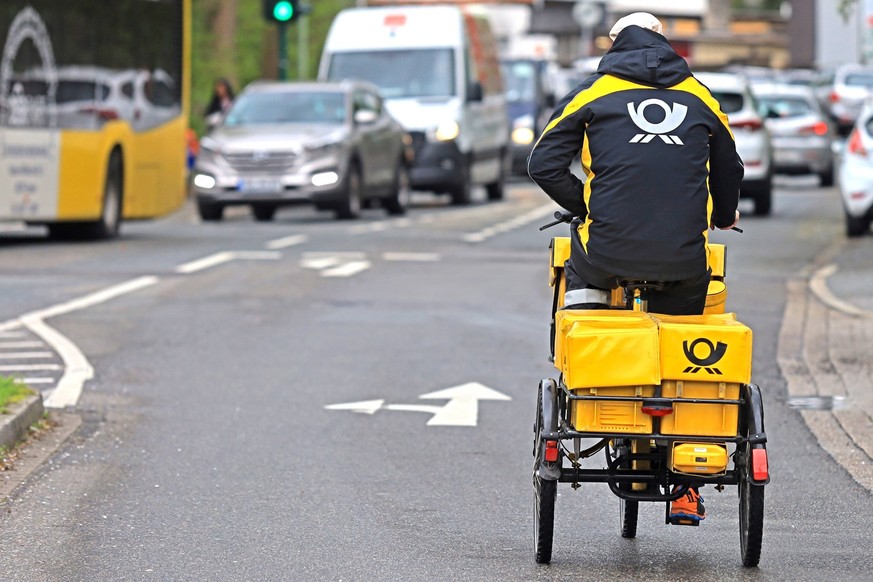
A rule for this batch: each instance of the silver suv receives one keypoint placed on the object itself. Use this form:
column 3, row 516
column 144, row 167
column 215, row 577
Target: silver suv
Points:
column 332, row 145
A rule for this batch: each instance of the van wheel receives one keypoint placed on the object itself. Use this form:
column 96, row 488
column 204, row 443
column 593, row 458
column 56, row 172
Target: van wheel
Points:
column 495, row 189
column 461, row 192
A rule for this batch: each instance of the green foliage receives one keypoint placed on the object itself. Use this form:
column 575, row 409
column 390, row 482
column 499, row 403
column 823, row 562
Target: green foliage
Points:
column 11, row 392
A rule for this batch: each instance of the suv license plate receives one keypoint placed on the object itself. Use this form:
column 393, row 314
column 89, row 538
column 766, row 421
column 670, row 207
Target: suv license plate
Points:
column 261, row 185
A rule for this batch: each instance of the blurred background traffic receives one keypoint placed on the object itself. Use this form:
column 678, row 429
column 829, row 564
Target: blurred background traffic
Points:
column 793, row 76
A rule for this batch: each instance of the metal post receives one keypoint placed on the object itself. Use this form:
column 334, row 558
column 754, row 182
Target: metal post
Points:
column 303, row 43
column 283, row 50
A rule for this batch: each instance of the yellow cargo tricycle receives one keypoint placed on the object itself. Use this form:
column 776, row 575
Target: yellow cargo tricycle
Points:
column 669, row 399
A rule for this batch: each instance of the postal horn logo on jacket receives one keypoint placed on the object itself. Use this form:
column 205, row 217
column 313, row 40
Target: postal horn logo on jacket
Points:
column 672, row 119
column 715, row 353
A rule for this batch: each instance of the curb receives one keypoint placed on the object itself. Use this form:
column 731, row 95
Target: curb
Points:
column 14, row 426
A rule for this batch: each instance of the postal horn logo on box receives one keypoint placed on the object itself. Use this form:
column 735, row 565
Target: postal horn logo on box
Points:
column 713, row 354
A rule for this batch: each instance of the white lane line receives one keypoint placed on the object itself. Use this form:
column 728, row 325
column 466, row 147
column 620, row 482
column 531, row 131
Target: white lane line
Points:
column 30, row 381
column 25, row 355
column 205, row 262
column 224, row 257
column 93, row 298
column 347, row 269
column 818, row 284
column 285, row 242
column 77, row 368
column 19, row 345
column 29, row 367
column 11, row 334
column 518, row 221
column 400, row 256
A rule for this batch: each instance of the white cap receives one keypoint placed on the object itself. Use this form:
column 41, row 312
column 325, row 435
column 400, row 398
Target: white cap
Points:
column 641, row 19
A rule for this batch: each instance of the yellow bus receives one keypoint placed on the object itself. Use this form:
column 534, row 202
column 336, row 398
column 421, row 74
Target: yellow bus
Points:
column 93, row 112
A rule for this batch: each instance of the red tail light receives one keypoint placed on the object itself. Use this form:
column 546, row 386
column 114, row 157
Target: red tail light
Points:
column 749, row 125
column 833, row 97
column 855, row 145
column 551, row 454
column 657, row 410
column 760, row 470
column 820, row 128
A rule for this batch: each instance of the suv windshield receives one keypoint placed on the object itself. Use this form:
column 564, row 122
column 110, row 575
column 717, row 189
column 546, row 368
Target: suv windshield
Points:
column 730, row 102
column 784, row 106
column 287, row 107
column 401, row 73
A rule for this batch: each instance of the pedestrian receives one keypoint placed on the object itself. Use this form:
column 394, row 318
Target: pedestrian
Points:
column 661, row 169
column 222, row 98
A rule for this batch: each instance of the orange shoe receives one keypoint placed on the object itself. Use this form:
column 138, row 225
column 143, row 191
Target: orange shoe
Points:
column 687, row 508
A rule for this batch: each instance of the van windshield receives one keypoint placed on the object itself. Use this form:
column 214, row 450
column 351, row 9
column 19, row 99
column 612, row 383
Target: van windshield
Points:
column 399, row 73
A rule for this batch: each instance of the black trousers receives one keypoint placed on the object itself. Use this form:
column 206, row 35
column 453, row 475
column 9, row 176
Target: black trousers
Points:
column 685, row 297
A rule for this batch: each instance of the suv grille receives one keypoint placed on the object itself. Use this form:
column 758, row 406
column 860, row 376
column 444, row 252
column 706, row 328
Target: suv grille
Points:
column 261, row 161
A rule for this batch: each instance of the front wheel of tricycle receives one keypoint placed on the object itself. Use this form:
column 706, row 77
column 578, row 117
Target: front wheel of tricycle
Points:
column 628, row 513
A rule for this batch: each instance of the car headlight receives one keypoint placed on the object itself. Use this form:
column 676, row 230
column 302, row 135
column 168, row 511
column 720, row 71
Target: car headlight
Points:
column 522, row 130
column 322, row 148
column 447, row 131
column 204, row 181
column 210, row 150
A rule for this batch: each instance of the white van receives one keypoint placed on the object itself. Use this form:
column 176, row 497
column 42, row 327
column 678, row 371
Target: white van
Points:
column 438, row 71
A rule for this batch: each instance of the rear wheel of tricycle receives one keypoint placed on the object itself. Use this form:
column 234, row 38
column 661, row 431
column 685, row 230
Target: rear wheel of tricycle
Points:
column 751, row 510
column 545, row 492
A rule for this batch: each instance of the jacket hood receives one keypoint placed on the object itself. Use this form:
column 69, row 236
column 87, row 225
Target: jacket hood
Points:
column 644, row 56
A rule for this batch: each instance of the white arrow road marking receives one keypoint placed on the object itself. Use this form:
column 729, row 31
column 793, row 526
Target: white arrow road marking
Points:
column 224, row 257
column 462, row 408
column 335, row 264
column 364, row 407
column 25, row 355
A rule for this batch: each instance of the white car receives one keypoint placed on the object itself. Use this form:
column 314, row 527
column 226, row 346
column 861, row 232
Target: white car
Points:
column 853, row 84
column 855, row 174
column 750, row 133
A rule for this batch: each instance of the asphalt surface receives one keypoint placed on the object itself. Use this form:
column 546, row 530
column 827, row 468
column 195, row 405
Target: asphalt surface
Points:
column 824, row 347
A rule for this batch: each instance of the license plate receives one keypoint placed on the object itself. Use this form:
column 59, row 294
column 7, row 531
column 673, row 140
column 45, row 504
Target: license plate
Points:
column 260, row 185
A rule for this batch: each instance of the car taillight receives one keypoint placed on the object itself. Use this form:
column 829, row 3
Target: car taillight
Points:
column 748, row 125
column 820, row 128
column 856, row 146
column 833, row 97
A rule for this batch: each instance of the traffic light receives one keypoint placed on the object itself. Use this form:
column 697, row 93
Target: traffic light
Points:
column 282, row 11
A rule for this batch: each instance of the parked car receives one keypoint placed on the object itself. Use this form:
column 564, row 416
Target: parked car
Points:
column 853, row 83
column 752, row 137
column 855, row 174
column 530, row 102
column 801, row 132
column 332, row 145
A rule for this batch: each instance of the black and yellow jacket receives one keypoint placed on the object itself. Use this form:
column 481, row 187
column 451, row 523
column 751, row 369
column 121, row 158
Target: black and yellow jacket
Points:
column 659, row 158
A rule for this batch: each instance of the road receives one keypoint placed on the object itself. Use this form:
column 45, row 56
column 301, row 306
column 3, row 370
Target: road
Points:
column 263, row 398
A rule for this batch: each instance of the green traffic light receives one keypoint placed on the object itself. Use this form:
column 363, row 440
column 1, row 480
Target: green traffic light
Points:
column 283, row 11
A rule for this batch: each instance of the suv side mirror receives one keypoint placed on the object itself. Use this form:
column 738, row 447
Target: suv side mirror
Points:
column 474, row 91
column 365, row 116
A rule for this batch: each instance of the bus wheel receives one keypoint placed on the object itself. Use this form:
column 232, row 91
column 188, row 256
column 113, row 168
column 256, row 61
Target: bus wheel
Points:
column 109, row 224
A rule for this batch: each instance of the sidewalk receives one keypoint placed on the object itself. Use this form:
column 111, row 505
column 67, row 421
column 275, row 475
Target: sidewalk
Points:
column 824, row 354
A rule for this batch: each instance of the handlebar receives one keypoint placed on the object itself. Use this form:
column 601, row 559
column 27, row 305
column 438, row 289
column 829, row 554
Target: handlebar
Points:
column 567, row 217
